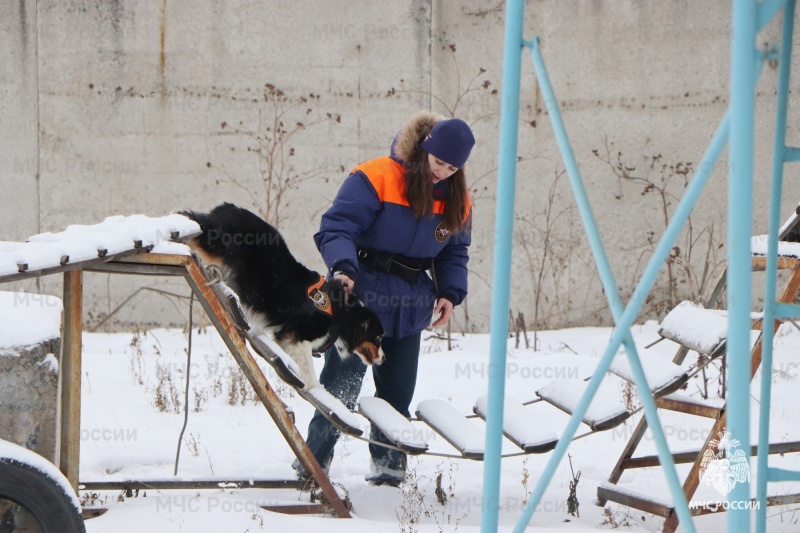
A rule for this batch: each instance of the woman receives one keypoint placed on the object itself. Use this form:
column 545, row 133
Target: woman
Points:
column 393, row 219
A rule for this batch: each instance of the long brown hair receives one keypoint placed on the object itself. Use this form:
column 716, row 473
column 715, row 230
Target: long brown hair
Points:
column 419, row 192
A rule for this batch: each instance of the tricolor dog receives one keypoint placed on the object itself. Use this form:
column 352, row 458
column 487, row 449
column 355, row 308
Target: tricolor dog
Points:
column 305, row 313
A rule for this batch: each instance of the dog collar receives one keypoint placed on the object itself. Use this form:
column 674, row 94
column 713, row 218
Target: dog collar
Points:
column 319, row 298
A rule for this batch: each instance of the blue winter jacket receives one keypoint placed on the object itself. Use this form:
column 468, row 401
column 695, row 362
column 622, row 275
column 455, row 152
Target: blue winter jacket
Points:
column 370, row 211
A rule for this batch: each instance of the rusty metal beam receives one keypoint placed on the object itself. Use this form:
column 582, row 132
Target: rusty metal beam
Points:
column 70, row 377
column 238, row 348
column 159, row 259
column 192, row 485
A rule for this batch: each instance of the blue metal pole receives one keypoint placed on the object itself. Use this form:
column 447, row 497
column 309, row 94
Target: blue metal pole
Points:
column 740, row 226
column 778, row 156
column 625, row 321
column 504, row 230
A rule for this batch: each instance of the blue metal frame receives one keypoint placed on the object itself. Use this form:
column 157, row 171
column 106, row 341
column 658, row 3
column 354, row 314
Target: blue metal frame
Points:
column 771, row 310
column 737, row 129
column 504, row 233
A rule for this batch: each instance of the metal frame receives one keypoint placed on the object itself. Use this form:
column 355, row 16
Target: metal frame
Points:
column 736, row 128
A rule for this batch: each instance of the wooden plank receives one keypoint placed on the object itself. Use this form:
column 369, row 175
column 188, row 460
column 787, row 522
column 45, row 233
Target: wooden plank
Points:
column 236, row 344
column 630, row 499
column 70, row 377
column 604, row 412
column 784, row 263
column 145, row 269
column 521, row 426
column 453, row 427
column 396, row 427
column 689, row 456
column 677, row 405
column 296, row 509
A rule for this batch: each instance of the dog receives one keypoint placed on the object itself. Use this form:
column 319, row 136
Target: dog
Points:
column 305, row 313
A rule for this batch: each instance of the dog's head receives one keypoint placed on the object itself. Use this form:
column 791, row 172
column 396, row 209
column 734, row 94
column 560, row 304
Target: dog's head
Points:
column 367, row 332
column 359, row 329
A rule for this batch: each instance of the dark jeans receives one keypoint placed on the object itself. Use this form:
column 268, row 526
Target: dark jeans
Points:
column 395, row 381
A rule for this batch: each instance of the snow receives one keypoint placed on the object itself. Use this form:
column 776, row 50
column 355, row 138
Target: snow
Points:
column 658, row 372
column 460, row 432
column 395, row 426
column 695, row 327
column 759, row 243
column 126, row 435
column 9, row 450
column 334, row 406
column 79, row 243
column 566, row 394
column 520, row 424
column 27, row 319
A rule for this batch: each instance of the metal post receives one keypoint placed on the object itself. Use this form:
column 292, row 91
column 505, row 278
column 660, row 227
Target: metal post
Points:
column 501, row 284
column 778, row 156
column 70, row 375
column 740, row 226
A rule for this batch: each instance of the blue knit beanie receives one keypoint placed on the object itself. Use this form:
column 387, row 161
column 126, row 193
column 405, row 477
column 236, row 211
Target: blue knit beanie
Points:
column 450, row 140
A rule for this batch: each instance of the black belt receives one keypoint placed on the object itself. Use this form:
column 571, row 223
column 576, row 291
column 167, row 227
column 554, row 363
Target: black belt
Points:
column 407, row 268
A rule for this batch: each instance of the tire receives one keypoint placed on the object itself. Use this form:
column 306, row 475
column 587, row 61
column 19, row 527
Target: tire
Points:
column 42, row 496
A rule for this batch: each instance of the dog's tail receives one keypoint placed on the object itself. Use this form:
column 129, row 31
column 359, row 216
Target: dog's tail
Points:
column 209, row 242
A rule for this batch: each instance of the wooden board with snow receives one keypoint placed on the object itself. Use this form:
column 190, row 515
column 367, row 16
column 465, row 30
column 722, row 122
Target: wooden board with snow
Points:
column 662, row 376
column 81, row 246
column 450, row 424
column 695, row 327
column 605, row 409
column 396, row 427
column 521, row 426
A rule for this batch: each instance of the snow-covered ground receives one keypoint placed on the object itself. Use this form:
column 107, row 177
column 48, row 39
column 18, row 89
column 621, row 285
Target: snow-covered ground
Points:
column 132, row 404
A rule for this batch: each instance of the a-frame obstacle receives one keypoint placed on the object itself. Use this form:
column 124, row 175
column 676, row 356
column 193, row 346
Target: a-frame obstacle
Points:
column 120, row 245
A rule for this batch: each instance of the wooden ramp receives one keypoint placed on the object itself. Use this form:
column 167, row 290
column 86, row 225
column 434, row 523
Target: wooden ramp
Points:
column 121, row 245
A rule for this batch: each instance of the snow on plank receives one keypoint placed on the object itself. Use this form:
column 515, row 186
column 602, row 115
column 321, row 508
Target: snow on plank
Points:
column 450, row 424
column 605, row 410
column 759, row 243
column 396, row 427
column 118, row 234
column 284, row 365
column 695, row 327
column 663, row 376
column 521, row 426
column 8, row 264
column 31, row 257
column 150, row 231
column 635, row 499
column 334, row 410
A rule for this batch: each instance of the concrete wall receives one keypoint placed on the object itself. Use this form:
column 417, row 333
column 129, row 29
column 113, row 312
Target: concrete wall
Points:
column 122, row 107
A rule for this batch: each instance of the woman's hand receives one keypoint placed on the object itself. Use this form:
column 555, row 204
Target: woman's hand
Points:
column 346, row 281
column 445, row 307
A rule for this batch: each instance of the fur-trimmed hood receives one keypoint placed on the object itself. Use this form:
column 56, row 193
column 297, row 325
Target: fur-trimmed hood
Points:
column 407, row 140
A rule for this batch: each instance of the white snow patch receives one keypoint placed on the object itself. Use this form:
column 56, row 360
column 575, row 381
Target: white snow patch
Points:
column 27, row 319
column 9, row 450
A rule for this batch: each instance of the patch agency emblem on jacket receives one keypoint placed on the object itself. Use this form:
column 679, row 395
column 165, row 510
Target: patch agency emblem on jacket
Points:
column 441, row 233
